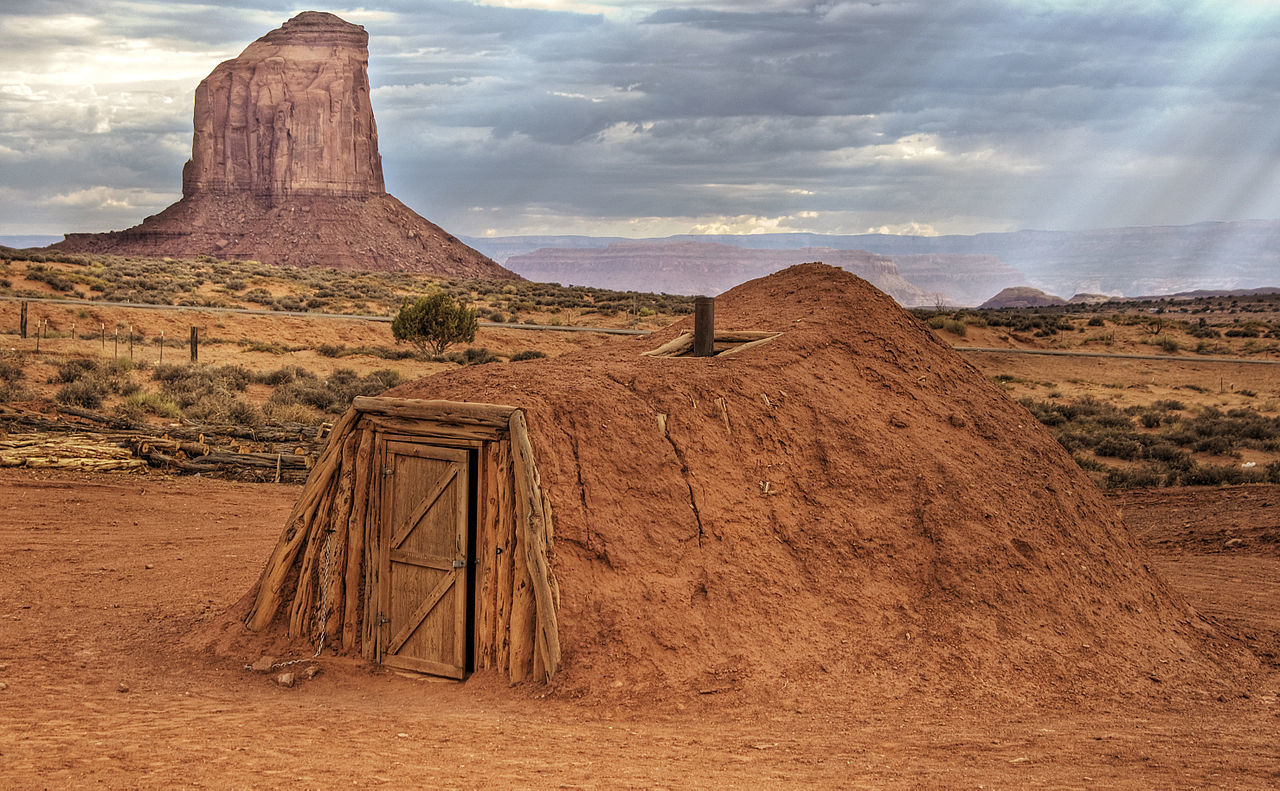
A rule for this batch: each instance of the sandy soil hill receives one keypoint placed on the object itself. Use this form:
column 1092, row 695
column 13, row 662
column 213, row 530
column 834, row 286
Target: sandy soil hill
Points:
column 849, row 504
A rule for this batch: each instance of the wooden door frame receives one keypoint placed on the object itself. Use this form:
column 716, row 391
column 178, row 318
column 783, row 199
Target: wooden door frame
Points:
column 458, row 582
column 473, row 426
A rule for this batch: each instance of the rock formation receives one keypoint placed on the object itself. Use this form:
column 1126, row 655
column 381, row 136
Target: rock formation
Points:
column 285, row 168
column 1022, row 297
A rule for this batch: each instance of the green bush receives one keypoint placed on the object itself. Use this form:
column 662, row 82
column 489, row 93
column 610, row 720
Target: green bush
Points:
column 527, row 354
column 434, row 322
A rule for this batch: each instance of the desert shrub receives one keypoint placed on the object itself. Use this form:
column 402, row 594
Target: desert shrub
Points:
column 334, row 394
column 478, row 355
column 12, row 370
column 1131, row 479
column 955, row 327
column 188, row 385
column 221, row 407
column 294, row 414
column 282, row 375
column 73, row 370
column 1169, row 455
column 936, row 322
column 137, row 406
column 267, row 347
column 87, row 393
column 12, row 374
column 1166, row 343
column 1096, row 321
column 1220, row 475
column 527, row 354
column 434, row 322
column 382, row 352
column 1118, row 446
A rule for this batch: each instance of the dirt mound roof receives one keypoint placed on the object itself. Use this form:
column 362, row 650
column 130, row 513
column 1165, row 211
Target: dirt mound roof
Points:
column 849, row 502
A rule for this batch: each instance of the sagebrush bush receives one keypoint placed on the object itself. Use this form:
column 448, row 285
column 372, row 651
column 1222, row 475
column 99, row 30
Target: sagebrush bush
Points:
column 334, row 394
column 85, row 393
column 137, row 406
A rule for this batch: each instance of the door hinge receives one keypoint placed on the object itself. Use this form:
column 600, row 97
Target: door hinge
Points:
column 458, row 564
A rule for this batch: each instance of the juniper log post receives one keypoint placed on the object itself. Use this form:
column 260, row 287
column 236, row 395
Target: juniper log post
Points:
column 704, row 326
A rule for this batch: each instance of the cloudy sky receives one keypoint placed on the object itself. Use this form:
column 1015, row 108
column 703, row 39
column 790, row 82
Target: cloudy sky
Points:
column 656, row 117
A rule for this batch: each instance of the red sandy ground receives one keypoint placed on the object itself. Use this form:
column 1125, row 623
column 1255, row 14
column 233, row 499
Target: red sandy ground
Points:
column 104, row 578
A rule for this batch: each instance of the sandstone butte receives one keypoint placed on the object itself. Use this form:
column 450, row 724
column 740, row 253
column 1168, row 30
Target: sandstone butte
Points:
column 285, row 168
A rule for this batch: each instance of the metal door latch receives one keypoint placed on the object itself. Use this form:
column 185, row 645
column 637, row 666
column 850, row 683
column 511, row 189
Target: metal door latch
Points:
column 458, row 564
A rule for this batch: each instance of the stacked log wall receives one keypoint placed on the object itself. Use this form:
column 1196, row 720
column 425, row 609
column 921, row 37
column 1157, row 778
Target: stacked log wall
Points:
column 323, row 573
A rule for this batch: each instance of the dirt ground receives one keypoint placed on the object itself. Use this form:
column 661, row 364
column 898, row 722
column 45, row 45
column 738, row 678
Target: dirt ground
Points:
column 104, row 578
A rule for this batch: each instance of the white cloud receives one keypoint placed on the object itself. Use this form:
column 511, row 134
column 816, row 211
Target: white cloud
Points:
column 905, row 229
column 102, row 197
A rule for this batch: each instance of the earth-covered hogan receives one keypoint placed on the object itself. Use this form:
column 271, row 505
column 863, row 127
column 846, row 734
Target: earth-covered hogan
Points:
column 848, row 499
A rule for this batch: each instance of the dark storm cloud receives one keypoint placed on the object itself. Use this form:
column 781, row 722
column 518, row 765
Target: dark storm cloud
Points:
column 973, row 115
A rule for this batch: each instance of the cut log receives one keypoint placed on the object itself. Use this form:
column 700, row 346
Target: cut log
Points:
column 443, row 411
column 355, row 541
column 334, row 566
column 504, row 552
column 532, row 527
column 295, row 533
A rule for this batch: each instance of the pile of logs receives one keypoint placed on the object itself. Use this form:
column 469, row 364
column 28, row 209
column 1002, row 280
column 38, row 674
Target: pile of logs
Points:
column 80, row 439
column 80, row 451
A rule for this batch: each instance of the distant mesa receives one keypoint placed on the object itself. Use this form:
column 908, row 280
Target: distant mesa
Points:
column 1089, row 299
column 686, row 266
column 1022, row 297
column 285, row 168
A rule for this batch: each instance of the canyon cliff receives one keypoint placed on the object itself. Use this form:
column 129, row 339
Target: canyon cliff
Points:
column 285, row 168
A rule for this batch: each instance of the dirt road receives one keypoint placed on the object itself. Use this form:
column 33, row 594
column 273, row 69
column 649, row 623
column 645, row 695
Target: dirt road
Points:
column 104, row 579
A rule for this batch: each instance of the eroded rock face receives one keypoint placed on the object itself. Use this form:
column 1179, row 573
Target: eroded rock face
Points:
column 285, row 168
column 289, row 116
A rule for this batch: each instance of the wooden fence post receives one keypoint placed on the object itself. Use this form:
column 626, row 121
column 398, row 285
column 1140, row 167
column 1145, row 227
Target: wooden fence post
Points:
column 22, row 322
column 704, row 326
column 195, row 345
column 130, row 343
column 162, row 347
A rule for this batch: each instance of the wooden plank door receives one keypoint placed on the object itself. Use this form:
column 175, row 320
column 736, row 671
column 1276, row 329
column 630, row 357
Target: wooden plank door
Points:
column 424, row 558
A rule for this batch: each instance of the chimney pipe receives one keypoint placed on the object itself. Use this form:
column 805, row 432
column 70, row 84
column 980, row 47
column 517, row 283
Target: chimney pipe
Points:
column 704, row 326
